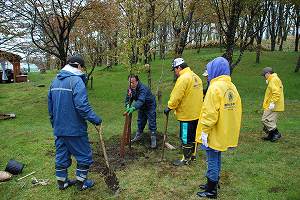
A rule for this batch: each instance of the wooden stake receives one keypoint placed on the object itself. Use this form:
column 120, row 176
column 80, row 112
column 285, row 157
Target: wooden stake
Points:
column 169, row 146
column 26, row 176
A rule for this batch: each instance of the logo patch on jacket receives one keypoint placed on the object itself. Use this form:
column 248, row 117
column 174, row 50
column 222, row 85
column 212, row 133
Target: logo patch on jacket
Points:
column 230, row 99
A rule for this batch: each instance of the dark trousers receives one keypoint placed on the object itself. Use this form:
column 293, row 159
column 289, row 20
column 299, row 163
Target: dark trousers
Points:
column 147, row 114
column 79, row 147
column 188, row 132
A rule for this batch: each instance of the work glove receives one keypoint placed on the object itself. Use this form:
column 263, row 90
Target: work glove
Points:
column 271, row 106
column 130, row 110
column 204, row 139
column 167, row 110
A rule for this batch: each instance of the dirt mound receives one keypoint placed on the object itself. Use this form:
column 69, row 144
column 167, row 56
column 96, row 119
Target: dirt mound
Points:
column 137, row 151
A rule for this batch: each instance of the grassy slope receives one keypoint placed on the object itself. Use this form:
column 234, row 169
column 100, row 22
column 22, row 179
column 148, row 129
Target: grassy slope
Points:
column 255, row 170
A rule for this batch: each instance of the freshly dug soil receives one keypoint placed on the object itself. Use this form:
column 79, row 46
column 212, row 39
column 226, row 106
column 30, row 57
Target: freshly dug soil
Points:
column 138, row 150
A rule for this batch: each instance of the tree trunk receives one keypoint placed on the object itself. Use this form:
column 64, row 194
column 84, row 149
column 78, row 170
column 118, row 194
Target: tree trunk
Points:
column 180, row 41
column 163, row 40
column 258, row 49
column 181, row 28
column 273, row 25
column 297, row 24
column 230, row 36
column 260, row 29
column 209, row 32
column 285, row 26
column 229, row 50
column 298, row 65
column 150, row 14
column 236, row 9
column 267, row 33
column 200, row 37
column 280, row 22
column 115, row 48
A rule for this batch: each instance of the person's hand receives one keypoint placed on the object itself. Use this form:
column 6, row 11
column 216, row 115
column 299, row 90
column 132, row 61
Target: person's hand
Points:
column 167, row 110
column 271, row 106
column 130, row 110
column 127, row 106
column 204, row 139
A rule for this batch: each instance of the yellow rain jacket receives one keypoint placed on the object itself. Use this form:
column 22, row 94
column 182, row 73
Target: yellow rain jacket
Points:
column 274, row 93
column 187, row 96
column 221, row 114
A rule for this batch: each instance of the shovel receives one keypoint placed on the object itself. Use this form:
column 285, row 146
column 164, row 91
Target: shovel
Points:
column 165, row 137
column 111, row 179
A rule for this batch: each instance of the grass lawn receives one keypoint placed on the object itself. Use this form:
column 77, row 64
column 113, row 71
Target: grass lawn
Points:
column 254, row 170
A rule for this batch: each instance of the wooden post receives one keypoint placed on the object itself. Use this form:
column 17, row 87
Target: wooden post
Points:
column 16, row 67
column 126, row 136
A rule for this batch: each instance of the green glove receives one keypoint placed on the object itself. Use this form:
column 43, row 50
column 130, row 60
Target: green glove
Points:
column 127, row 106
column 130, row 110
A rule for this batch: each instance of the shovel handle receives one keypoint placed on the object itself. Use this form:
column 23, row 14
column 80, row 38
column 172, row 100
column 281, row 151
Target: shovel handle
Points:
column 165, row 137
column 100, row 131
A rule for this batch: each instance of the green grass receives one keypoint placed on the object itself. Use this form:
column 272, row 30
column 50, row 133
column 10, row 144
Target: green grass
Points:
column 254, row 170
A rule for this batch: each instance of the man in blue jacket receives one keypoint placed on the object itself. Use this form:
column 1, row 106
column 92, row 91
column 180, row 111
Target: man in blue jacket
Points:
column 69, row 109
column 145, row 102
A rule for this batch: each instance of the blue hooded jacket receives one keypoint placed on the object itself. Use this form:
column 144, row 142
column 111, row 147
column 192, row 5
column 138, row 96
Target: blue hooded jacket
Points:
column 68, row 104
column 143, row 98
column 217, row 67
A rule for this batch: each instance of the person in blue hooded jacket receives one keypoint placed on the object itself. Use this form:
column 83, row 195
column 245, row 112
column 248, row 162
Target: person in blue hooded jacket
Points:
column 219, row 122
column 145, row 102
column 69, row 109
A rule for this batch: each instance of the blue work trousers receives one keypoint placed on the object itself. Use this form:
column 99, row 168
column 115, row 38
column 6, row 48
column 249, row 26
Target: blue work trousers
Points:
column 213, row 160
column 145, row 114
column 78, row 146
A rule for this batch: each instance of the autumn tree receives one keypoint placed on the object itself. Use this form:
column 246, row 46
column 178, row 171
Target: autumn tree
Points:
column 95, row 34
column 201, row 26
column 9, row 29
column 260, row 27
column 285, row 25
column 182, row 16
column 228, row 15
column 296, row 19
column 50, row 23
column 236, row 18
column 273, row 19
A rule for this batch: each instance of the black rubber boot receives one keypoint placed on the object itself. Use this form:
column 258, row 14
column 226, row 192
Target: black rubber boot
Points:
column 65, row 184
column 276, row 135
column 269, row 134
column 84, row 185
column 211, row 190
column 186, row 158
column 153, row 140
column 204, row 186
column 180, row 162
column 137, row 137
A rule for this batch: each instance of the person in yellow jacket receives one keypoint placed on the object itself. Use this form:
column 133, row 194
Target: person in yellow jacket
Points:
column 186, row 100
column 219, row 122
column 273, row 103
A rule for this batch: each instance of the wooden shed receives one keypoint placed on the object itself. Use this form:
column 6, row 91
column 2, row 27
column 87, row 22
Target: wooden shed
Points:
column 15, row 60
